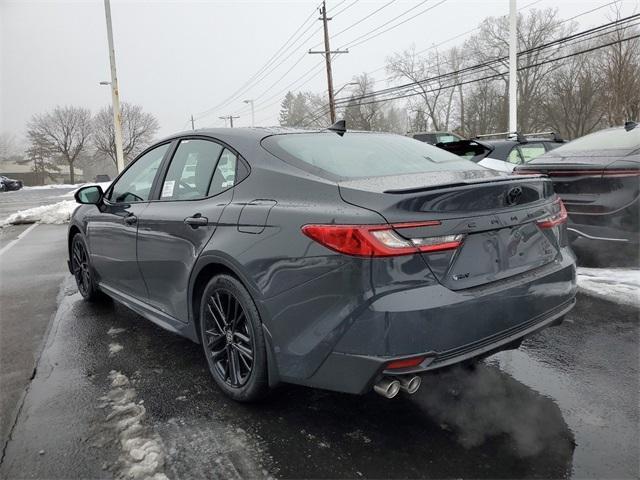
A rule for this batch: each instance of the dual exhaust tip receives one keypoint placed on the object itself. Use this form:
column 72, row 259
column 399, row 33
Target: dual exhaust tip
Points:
column 389, row 387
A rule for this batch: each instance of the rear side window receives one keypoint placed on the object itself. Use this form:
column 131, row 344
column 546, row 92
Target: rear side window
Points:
column 514, row 156
column 191, row 169
column 356, row 155
column 530, row 151
column 224, row 176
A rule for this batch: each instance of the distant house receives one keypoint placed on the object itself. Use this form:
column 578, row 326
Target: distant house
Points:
column 24, row 172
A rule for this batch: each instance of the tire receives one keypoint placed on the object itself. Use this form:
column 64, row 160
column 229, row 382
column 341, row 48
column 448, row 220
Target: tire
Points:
column 230, row 328
column 82, row 271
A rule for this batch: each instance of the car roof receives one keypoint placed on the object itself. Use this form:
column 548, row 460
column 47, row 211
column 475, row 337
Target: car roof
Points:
column 254, row 133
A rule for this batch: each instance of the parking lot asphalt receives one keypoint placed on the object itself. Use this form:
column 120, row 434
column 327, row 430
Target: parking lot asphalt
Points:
column 32, row 266
column 115, row 396
column 564, row 405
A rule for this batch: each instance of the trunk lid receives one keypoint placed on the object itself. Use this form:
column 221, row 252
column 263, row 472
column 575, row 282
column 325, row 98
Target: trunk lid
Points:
column 495, row 212
column 592, row 185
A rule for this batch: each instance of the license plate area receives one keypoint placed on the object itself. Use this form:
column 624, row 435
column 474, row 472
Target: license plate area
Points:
column 493, row 255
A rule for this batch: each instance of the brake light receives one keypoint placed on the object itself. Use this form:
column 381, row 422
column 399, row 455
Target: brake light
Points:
column 378, row 240
column 406, row 363
column 556, row 219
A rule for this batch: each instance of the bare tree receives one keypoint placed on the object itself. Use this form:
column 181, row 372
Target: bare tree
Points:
column 491, row 46
column 433, row 96
column 574, row 104
column 138, row 130
column 484, row 108
column 64, row 132
column 367, row 116
column 620, row 63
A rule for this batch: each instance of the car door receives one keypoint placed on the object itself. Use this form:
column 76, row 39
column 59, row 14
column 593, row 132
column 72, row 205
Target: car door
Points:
column 112, row 229
column 175, row 227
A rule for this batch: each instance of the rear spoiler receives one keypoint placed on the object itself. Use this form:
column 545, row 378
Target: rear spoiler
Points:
column 506, row 178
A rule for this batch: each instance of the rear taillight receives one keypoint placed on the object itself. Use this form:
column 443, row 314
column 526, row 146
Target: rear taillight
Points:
column 556, row 219
column 379, row 240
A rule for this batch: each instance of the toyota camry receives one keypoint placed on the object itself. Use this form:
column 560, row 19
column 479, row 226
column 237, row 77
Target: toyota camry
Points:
column 350, row 261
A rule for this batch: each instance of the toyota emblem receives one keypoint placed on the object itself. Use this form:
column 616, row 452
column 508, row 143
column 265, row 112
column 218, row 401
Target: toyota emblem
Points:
column 513, row 196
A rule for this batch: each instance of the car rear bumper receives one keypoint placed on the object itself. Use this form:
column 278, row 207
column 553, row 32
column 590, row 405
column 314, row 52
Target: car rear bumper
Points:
column 453, row 328
column 357, row 373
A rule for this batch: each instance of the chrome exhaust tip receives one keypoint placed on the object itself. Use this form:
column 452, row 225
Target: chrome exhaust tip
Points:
column 410, row 384
column 387, row 387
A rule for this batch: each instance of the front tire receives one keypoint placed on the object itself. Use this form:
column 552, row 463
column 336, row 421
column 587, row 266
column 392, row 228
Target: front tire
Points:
column 232, row 339
column 81, row 269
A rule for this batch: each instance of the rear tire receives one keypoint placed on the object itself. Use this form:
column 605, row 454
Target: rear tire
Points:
column 82, row 271
column 232, row 339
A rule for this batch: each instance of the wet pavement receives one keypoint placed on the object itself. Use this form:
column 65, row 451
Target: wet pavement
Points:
column 115, row 396
column 111, row 388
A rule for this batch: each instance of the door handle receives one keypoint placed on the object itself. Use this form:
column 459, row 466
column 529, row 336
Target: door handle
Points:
column 130, row 219
column 196, row 221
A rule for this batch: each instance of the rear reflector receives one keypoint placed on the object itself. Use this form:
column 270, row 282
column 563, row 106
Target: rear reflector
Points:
column 556, row 219
column 406, row 363
column 378, row 240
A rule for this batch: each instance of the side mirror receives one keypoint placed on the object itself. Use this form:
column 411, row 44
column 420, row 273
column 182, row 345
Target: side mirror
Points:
column 91, row 195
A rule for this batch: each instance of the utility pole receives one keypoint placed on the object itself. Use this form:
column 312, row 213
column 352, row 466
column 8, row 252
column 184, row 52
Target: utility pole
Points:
column 327, row 55
column 228, row 117
column 253, row 116
column 193, row 126
column 115, row 93
column 513, row 67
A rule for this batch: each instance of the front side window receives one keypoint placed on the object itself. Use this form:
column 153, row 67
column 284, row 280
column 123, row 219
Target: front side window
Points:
column 354, row 154
column 191, row 170
column 135, row 183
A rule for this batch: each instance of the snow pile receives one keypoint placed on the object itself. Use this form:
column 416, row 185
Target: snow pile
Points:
column 52, row 186
column 55, row 213
column 142, row 451
column 618, row 284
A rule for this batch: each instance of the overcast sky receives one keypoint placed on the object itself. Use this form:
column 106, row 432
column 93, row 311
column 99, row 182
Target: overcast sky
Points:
column 184, row 57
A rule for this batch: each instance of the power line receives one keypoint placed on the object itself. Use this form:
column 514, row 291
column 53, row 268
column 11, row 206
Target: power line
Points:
column 355, row 43
column 584, row 33
column 281, row 51
column 455, row 37
column 358, row 22
column 480, row 67
column 501, row 74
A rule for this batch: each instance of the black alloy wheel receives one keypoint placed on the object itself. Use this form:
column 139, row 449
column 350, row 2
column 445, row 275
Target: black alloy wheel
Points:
column 232, row 339
column 229, row 338
column 81, row 268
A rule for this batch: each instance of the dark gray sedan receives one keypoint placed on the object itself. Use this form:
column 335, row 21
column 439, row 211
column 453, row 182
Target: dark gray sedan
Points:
column 341, row 260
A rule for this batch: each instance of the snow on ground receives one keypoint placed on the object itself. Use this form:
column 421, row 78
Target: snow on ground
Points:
column 55, row 213
column 618, row 284
column 53, row 186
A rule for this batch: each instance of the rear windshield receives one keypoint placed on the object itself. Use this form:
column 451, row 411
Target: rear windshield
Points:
column 355, row 155
column 611, row 139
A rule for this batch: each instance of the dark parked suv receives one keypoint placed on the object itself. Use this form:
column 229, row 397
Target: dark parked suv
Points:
column 334, row 259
